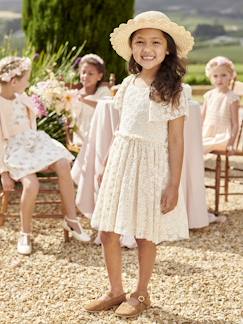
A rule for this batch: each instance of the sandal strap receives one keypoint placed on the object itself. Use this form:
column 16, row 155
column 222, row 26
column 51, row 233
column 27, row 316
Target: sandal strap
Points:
column 76, row 221
column 142, row 299
column 71, row 220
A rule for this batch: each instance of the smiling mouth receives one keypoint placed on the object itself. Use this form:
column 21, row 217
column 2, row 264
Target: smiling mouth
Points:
column 147, row 58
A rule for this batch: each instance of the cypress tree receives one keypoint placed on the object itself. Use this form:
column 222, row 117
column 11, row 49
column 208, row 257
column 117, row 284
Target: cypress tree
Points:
column 50, row 23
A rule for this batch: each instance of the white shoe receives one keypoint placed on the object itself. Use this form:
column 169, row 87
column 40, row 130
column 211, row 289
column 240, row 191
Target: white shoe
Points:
column 24, row 245
column 216, row 219
column 82, row 236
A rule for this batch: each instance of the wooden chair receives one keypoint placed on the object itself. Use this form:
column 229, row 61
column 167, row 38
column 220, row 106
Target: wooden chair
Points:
column 48, row 186
column 226, row 173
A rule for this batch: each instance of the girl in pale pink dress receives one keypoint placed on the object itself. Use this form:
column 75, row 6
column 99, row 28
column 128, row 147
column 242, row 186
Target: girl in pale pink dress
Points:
column 221, row 107
column 91, row 72
column 25, row 151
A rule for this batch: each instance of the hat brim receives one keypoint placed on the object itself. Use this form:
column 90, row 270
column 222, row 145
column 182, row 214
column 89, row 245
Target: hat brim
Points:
column 120, row 36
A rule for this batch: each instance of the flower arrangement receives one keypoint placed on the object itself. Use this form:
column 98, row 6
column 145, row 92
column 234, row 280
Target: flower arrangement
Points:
column 52, row 95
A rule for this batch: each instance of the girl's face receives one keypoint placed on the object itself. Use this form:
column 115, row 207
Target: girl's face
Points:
column 149, row 48
column 89, row 75
column 221, row 77
column 19, row 85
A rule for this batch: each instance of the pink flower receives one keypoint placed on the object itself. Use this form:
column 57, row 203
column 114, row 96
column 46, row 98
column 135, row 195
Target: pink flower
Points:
column 42, row 111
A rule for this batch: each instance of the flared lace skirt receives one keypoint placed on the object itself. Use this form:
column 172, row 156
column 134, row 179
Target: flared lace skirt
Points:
column 129, row 198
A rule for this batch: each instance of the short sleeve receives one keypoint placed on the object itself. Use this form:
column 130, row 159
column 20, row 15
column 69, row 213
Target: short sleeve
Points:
column 118, row 99
column 160, row 112
column 233, row 98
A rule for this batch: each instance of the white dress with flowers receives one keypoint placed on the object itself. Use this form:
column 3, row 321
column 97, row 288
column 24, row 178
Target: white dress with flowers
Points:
column 137, row 172
column 29, row 151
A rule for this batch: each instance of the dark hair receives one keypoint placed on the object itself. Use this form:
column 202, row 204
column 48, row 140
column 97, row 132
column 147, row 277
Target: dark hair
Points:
column 97, row 62
column 166, row 86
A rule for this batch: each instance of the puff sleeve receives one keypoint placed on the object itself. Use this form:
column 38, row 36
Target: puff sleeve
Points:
column 160, row 112
column 118, row 99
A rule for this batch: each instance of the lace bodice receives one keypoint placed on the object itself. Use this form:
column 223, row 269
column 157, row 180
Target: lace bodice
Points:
column 135, row 116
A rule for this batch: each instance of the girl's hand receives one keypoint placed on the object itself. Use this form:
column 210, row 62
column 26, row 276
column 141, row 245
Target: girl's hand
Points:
column 169, row 199
column 7, row 182
column 81, row 97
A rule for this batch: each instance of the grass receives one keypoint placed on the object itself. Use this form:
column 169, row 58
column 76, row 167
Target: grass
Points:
column 204, row 54
column 196, row 74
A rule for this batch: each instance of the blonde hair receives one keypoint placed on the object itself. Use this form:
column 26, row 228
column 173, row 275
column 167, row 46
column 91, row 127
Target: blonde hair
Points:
column 218, row 61
column 13, row 66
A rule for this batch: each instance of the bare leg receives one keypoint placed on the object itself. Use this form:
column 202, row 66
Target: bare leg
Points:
column 112, row 255
column 146, row 258
column 27, row 203
column 62, row 169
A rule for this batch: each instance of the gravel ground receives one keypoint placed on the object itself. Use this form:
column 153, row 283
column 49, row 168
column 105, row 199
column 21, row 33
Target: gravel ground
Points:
column 194, row 281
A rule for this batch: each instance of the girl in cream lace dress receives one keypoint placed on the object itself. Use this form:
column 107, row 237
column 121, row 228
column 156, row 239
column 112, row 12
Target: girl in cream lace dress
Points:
column 140, row 186
column 25, row 151
column 221, row 107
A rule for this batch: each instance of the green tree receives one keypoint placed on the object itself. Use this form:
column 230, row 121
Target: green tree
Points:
column 206, row 31
column 53, row 22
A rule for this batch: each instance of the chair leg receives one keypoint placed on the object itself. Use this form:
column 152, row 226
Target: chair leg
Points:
column 226, row 179
column 4, row 206
column 217, row 183
column 66, row 236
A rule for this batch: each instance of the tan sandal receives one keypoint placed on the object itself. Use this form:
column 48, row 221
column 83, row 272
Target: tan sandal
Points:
column 105, row 302
column 134, row 306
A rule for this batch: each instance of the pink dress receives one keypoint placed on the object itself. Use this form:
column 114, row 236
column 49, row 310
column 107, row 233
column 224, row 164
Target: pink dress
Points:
column 192, row 176
column 217, row 122
column 90, row 162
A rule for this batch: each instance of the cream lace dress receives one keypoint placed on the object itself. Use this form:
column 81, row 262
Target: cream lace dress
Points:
column 217, row 122
column 29, row 151
column 136, row 174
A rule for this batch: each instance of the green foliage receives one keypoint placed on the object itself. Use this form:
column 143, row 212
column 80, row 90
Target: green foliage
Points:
column 48, row 24
column 53, row 125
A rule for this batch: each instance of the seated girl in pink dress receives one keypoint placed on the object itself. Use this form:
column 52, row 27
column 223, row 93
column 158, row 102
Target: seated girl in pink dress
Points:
column 25, row 151
column 91, row 72
column 221, row 107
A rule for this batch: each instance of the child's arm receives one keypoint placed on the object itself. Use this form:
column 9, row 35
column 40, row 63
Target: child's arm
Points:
column 234, row 111
column 7, row 181
column 176, row 149
column 91, row 103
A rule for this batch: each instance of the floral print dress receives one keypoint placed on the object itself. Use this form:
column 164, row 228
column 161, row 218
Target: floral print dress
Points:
column 29, row 151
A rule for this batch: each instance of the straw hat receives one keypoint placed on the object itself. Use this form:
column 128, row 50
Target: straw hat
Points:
column 150, row 19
